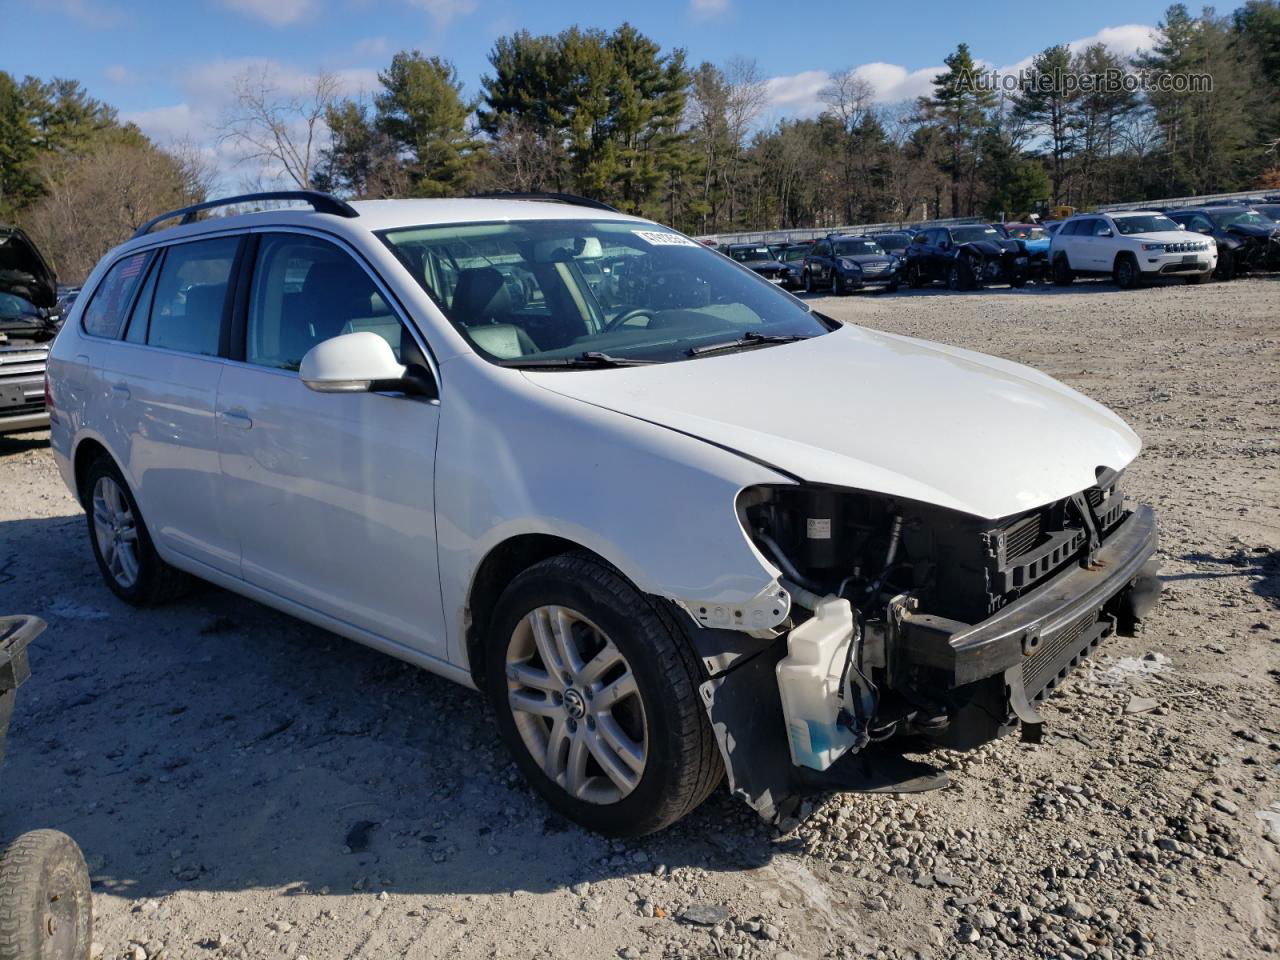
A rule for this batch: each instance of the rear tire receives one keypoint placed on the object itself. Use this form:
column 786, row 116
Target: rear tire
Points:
column 575, row 607
column 1062, row 275
column 46, row 910
column 126, row 556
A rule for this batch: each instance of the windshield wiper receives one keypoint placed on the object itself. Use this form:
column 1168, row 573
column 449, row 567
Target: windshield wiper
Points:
column 591, row 358
column 746, row 340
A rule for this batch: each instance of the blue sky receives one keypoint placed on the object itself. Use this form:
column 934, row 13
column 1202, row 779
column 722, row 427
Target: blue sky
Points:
column 167, row 65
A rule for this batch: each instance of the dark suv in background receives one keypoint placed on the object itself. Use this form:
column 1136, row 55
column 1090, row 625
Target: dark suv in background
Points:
column 966, row 257
column 29, row 319
column 842, row 264
column 1246, row 239
column 761, row 258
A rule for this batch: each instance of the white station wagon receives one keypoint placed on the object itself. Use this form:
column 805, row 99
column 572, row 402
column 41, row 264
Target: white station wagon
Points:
column 670, row 519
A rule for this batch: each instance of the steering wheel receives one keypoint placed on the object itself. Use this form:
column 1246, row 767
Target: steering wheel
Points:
column 622, row 318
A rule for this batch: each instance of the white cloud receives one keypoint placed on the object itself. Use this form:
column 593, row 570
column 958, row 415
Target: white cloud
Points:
column 90, row 13
column 444, row 11
column 119, row 75
column 706, row 9
column 371, row 47
column 797, row 95
column 800, row 94
column 277, row 13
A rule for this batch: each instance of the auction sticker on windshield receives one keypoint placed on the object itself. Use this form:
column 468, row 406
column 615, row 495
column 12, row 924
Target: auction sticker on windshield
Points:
column 660, row 238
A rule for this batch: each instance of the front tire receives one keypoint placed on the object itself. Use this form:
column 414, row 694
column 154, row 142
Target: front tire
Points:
column 914, row 279
column 808, row 282
column 126, row 556
column 46, row 911
column 596, row 694
column 1226, row 268
column 1197, row 278
column 1125, row 273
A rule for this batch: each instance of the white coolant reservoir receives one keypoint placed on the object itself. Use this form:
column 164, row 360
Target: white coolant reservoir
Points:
column 809, row 681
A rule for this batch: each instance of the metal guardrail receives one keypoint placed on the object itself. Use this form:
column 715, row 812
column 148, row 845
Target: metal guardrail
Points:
column 1247, row 195
column 816, row 233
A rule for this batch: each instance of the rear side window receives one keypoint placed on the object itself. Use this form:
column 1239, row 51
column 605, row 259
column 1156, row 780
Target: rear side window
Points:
column 105, row 313
column 306, row 291
column 191, row 289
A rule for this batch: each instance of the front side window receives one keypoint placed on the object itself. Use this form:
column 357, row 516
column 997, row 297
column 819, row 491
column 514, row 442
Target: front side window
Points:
column 794, row 254
column 970, row 234
column 1145, row 223
column 533, row 290
column 191, row 289
column 305, row 291
column 105, row 313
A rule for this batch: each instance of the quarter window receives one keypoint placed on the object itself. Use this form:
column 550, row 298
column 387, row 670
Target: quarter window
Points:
column 105, row 313
column 190, row 293
column 306, row 291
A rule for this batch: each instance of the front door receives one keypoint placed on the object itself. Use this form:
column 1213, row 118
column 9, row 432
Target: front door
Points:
column 331, row 493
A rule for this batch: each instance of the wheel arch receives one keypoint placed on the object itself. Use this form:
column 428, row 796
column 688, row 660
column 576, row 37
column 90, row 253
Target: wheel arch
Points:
column 502, row 564
column 87, row 451
column 1124, row 255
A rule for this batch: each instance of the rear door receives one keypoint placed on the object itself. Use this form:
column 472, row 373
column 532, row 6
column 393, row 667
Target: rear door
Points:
column 161, row 381
column 331, row 494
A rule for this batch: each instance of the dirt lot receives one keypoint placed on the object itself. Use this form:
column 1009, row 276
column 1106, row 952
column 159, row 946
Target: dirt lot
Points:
column 247, row 786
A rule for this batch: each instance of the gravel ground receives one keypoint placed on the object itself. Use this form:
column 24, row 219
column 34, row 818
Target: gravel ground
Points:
column 244, row 785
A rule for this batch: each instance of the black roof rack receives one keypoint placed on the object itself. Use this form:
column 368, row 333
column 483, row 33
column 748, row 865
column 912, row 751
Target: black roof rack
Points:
column 569, row 198
column 320, row 203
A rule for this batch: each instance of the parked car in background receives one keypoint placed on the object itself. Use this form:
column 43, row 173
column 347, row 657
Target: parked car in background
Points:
column 1246, row 239
column 793, row 254
column 844, row 264
column 761, row 258
column 629, row 526
column 893, row 243
column 1035, row 240
column 29, row 319
column 965, row 257
column 1268, row 209
column 1131, row 247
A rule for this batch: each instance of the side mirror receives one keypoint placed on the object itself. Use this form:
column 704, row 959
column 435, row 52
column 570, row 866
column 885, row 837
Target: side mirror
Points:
column 358, row 363
column 1104, row 232
column 944, row 244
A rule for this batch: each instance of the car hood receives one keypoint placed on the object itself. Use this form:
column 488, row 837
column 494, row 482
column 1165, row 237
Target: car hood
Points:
column 992, row 248
column 878, row 412
column 1164, row 236
column 758, row 265
column 1251, row 230
column 23, row 272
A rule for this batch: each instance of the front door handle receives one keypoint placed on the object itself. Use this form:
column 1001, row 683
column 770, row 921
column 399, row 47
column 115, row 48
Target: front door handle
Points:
column 121, row 390
column 236, row 418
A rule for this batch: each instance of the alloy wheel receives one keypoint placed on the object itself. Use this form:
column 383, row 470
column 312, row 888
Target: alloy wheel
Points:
column 116, row 531
column 576, row 705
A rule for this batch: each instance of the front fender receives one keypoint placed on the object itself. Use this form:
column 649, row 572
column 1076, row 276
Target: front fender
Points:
column 516, row 459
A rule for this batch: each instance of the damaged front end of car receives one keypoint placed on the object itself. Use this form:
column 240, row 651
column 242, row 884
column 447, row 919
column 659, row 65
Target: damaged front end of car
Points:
column 912, row 626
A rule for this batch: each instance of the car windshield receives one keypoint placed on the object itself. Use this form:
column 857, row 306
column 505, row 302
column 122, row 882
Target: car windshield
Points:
column 893, row 241
column 1027, row 233
column 1268, row 210
column 534, row 292
column 970, row 234
column 794, row 254
column 858, row 248
column 747, row 254
column 1241, row 217
column 1145, row 223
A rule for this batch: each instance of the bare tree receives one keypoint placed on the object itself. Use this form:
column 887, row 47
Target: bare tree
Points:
column 850, row 101
column 523, row 158
column 96, row 200
column 283, row 131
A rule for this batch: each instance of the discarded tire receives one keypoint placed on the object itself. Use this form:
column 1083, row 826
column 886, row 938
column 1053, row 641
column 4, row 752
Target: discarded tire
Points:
column 46, row 912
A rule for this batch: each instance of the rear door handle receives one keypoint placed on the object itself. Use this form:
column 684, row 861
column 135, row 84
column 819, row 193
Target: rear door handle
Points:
column 121, row 390
column 236, row 418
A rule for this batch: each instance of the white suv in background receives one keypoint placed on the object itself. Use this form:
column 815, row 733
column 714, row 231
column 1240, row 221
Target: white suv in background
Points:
column 661, row 512
column 1129, row 247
